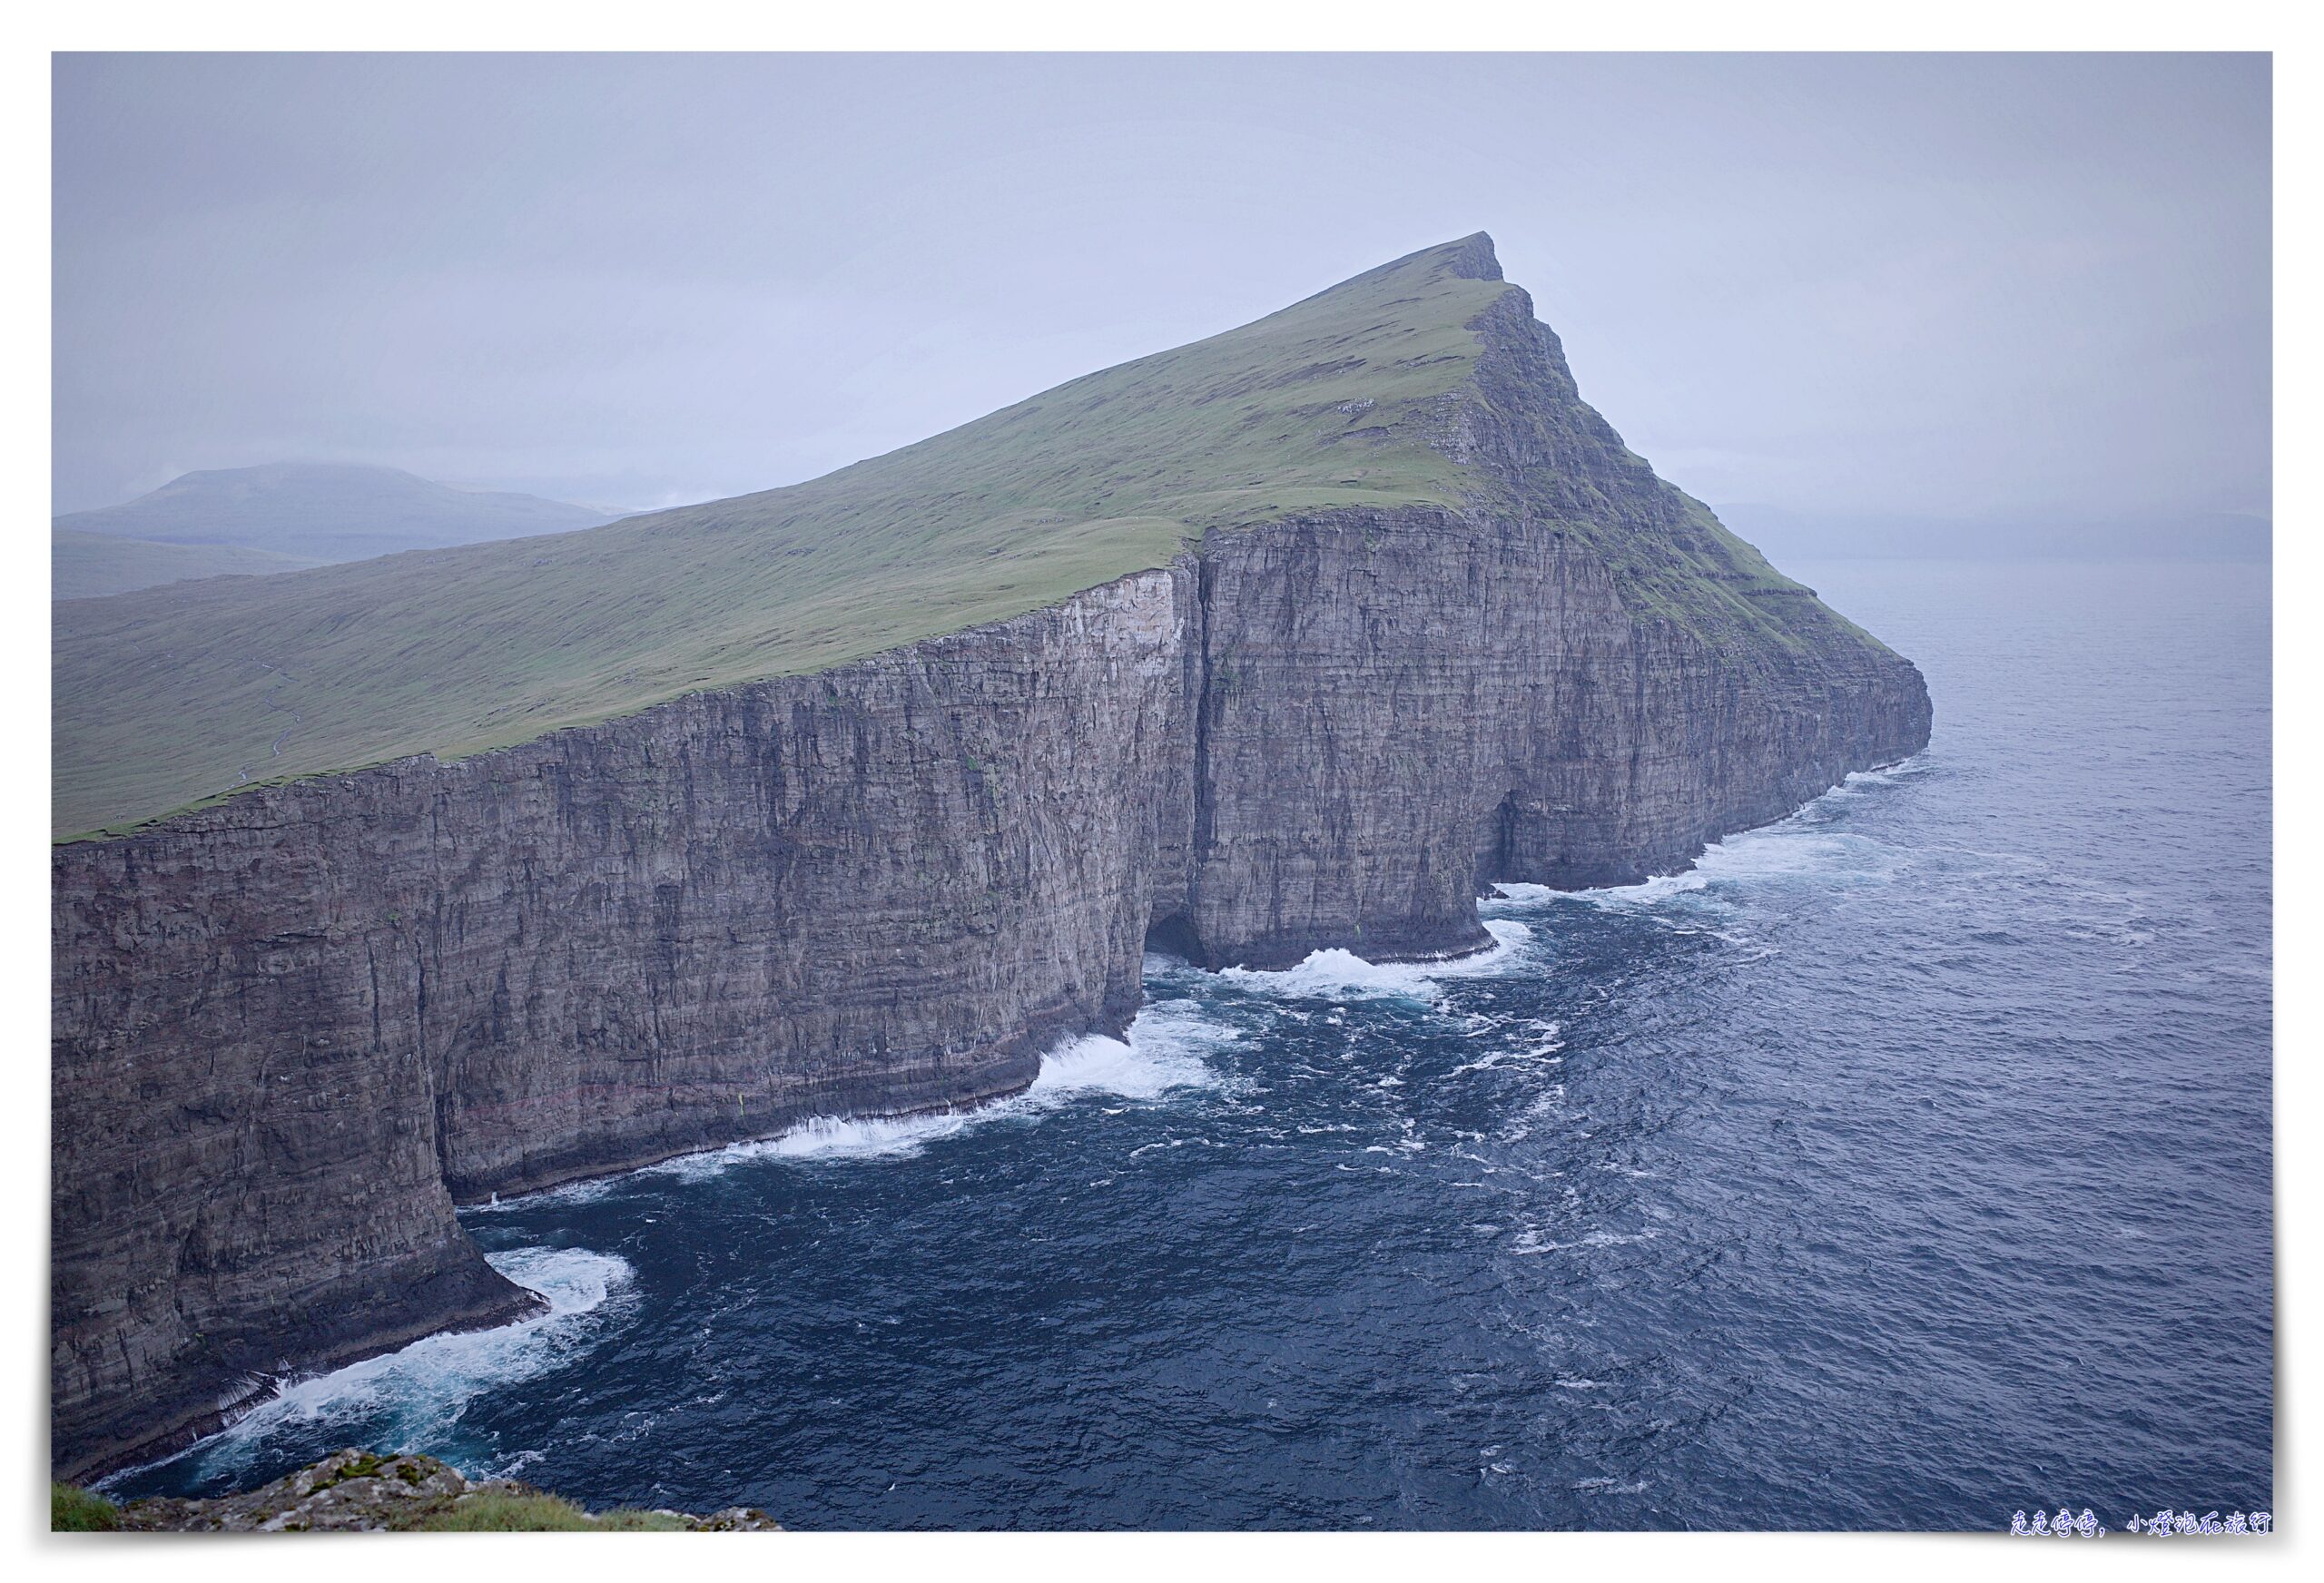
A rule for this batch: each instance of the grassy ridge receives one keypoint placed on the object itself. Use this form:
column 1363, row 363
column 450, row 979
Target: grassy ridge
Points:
column 167, row 696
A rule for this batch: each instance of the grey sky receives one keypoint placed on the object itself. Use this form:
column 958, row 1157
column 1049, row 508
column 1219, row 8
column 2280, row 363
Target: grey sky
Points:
column 1935, row 285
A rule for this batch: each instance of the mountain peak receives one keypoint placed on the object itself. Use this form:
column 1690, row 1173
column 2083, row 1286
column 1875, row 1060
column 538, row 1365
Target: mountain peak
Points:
column 1467, row 258
column 1473, row 257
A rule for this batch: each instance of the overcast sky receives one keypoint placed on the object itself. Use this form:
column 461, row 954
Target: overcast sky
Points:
column 1942, row 285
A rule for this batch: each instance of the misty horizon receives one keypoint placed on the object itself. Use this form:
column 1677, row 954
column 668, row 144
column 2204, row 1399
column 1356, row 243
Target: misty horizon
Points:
column 2018, row 286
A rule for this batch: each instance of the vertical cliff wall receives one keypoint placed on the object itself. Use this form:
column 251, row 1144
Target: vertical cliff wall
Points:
column 293, row 1029
column 1398, row 710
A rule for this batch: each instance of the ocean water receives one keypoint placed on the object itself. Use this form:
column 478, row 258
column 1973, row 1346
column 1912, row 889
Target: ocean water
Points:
column 1905, row 1165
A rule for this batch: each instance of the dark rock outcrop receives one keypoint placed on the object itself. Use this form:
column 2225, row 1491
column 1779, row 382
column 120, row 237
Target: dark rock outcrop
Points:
column 291, row 1029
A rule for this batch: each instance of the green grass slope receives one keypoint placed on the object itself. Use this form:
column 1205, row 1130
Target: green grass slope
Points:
column 163, row 698
column 72, row 1510
column 89, row 565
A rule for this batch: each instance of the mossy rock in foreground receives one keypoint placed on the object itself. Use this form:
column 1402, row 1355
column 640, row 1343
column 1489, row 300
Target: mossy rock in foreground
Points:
column 529, row 1511
column 72, row 1510
column 363, row 1492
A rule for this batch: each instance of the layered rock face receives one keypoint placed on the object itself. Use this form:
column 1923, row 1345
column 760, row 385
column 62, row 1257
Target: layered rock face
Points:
column 1398, row 711
column 293, row 1028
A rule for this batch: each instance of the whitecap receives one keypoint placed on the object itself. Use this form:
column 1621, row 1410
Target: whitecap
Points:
column 1544, row 1053
column 1533, row 1241
column 1610, row 1487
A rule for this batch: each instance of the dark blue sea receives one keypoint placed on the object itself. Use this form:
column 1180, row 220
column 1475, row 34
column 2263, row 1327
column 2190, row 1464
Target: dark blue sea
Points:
column 1905, row 1165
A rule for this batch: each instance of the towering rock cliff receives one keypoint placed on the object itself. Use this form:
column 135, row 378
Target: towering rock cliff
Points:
column 294, row 1027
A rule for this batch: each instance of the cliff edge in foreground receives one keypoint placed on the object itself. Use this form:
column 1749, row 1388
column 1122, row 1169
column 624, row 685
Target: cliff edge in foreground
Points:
column 1361, row 610
column 364, row 1492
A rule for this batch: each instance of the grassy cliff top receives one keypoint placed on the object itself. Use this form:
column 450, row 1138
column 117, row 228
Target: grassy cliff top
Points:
column 167, row 696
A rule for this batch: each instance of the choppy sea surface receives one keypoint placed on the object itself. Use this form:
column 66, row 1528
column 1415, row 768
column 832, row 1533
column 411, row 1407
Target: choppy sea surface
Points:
column 1905, row 1163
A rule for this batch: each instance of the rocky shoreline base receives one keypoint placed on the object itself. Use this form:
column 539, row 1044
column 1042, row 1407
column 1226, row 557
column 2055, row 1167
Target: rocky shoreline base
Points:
column 356, row 1492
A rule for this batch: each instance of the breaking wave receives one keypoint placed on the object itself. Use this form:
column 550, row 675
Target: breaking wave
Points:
column 1161, row 1054
column 1338, row 973
column 403, row 1401
column 1164, row 1051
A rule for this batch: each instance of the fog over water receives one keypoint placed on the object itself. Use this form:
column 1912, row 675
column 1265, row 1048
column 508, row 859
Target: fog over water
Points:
column 1992, row 286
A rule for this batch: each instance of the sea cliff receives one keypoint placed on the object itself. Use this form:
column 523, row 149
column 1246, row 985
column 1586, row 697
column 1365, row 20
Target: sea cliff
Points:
column 294, row 1027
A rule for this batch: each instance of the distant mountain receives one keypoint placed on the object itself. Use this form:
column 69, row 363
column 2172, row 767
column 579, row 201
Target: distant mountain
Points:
column 87, row 565
column 322, row 512
column 1786, row 536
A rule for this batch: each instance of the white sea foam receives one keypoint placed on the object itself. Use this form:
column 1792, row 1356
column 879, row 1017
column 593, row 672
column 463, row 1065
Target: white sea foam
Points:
column 1341, row 972
column 1162, row 1054
column 1164, row 1051
column 1860, row 782
column 1799, row 851
column 1800, row 846
column 580, row 1192
column 1610, row 1486
column 402, row 1401
column 1794, row 850
column 1531, row 1241
column 1540, row 1055
column 831, row 1137
column 1646, row 892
